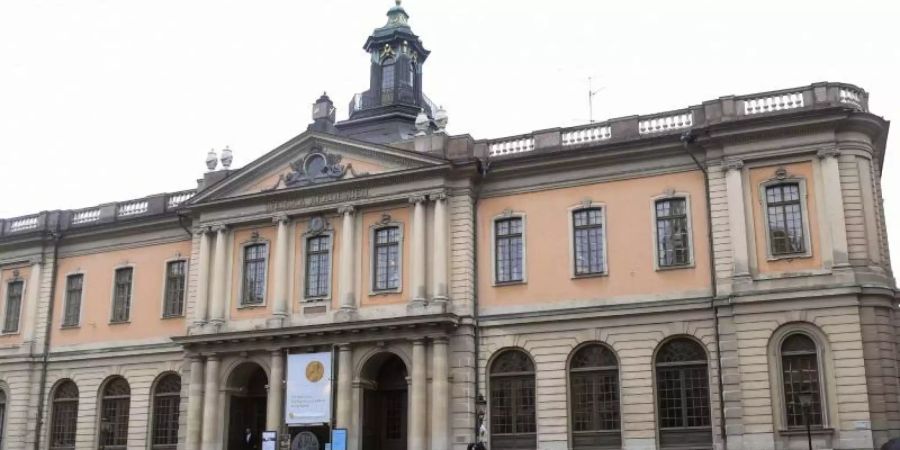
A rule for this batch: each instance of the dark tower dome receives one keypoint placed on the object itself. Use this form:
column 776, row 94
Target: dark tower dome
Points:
column 387, row 111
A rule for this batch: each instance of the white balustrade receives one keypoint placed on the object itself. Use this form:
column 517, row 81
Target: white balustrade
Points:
column 666, row 123
column 853, row 97
column 510, row 146
column 177, row 199
column 23, row 224
column 86, row 216
column 586, row 135
column 132, row 208
column 772, row 103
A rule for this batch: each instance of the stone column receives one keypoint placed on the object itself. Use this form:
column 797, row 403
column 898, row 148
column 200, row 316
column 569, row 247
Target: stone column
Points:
column 737, row 221
column 219, row 277
column 418, row 263
column 275, row 401
column 201, row 308
column 834, row 205
column 418, row 398
column 439, row 266
column 282, row 252
column 32, row 298
column 347, row 277
column 195, row 404
column 440, row 395
column 212, row 439
column 344, row 413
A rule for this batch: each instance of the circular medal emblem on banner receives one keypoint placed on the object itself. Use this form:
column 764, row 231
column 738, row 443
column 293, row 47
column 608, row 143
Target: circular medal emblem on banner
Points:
column 314, row 371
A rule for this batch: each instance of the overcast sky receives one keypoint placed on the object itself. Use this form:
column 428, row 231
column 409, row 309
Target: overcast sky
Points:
column 111, row 100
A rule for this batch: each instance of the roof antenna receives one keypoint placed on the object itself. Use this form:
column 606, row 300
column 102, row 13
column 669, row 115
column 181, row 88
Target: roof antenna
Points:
column 591, row 94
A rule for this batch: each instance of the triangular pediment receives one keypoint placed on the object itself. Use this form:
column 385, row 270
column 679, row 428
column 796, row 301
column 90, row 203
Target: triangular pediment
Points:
column 315, row 159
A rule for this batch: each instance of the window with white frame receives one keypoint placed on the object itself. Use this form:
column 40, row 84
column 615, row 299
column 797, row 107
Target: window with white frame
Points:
column 122, row 295
column 72, row 312
column 13, row 306
column 672, row 233
column 508, row 250
column 800, row 381
column 166, row 411
column 318, row 266
column 587, row 229
column 64, row 416
column 173, row 303
column 254, row 274
column 784, row 213
column 594, row 398
column 386, row 267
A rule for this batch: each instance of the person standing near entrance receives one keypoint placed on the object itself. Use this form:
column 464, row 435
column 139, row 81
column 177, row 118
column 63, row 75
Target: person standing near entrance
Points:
column 248, row 441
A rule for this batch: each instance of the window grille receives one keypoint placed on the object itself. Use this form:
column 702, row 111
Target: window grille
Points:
column 64, row 416
column 114, row 410
column 254, row 274
column 175, row 282
column 785, row 216
column 508, row 250
column 318, row 266
column 72, row 313
column 387, row 258
column 588, row 229
column 13, row 306
column 122, row 295
column 512, row 402
column 166, row 406
column 672, row 233
column 2, row 415
column 594, row 377
column 682, row 390
column 800, row 376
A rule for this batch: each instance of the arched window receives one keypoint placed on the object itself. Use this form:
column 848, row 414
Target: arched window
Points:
column 166, row 405
column 114, row 408
column 594, row 378
column 682, row 394
column 64, row 416
column 800, row 379
column 387, row 81
column 512, row 402
column 2, row 415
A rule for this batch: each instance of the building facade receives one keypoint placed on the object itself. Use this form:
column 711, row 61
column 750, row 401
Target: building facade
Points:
column 712, row 277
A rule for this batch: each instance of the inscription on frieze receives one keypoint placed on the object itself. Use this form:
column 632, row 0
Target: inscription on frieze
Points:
column 317, row 200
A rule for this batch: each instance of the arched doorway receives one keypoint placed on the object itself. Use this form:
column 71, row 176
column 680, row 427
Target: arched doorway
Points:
column 384, row 403
column 246, row 389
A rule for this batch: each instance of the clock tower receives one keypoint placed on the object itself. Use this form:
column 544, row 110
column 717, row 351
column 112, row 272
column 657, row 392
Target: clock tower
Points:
column 387, row 111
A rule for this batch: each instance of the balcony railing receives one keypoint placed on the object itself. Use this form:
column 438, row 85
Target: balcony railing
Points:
column 723, row 109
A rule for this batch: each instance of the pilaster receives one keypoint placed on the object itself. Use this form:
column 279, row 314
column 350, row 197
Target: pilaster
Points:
column 418, row 263
column 834, row 205
column 281, row 260
column 737, row 217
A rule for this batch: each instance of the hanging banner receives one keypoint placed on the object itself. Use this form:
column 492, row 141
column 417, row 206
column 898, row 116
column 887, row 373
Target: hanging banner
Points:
column 308, row 399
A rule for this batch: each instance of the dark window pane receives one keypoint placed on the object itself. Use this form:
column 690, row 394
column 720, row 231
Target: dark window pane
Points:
column 594, row 380
column 318, row 266
column 166, row 406
column 508, row 250
column 672, row 232
column 64, row 416
column 114, row 410
column 13, row 306
column 387, row 259
column 122, row 295
column 254, row 274
column 72, row 313
column 784, row 211
column 682, row 386
column 800, row 377
column 588, row 241
column 175, row 282
column 512, row 395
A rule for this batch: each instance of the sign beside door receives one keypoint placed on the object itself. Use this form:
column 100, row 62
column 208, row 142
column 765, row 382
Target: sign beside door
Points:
column 308, row 399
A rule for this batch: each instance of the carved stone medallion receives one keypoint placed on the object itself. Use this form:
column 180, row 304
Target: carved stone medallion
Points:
column 316, row 167
column 305, row 441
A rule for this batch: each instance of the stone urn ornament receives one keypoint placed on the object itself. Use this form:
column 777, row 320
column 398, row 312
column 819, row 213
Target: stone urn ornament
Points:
column 227, row 157
column 440, row 119
column 422, row 123
column 212, row 160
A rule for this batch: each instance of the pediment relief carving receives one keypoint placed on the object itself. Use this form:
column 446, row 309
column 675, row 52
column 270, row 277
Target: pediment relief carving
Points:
column 317, row 166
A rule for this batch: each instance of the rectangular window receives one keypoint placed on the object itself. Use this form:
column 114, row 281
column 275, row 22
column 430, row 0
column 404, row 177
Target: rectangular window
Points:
column 13, row 306
column 318, row 266
column 72, row 313
column 588, row 229
column 672, row 247
column 254, row 274
column 122, row 295
column 387, row 259
column 175, row 280
column 785, row 216
column 508, row 249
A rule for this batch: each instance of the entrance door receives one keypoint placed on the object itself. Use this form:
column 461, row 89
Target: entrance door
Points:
column 385, row 408
column 247, row 409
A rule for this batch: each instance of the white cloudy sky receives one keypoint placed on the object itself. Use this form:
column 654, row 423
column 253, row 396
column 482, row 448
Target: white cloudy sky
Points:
column 105, row 100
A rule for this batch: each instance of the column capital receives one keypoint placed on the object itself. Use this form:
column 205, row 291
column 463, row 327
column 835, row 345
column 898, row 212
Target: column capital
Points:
column 828, row 152
column 416, row 199
column 212, row 356
column 440, row 340
column 195, row 358
column 276, row 352
column 280, row 218
column 442, row 195
column 219, row 228
column 346, row 209
column 732, row 164
column 201, row 230
column 344, row 347
column 417, row 341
